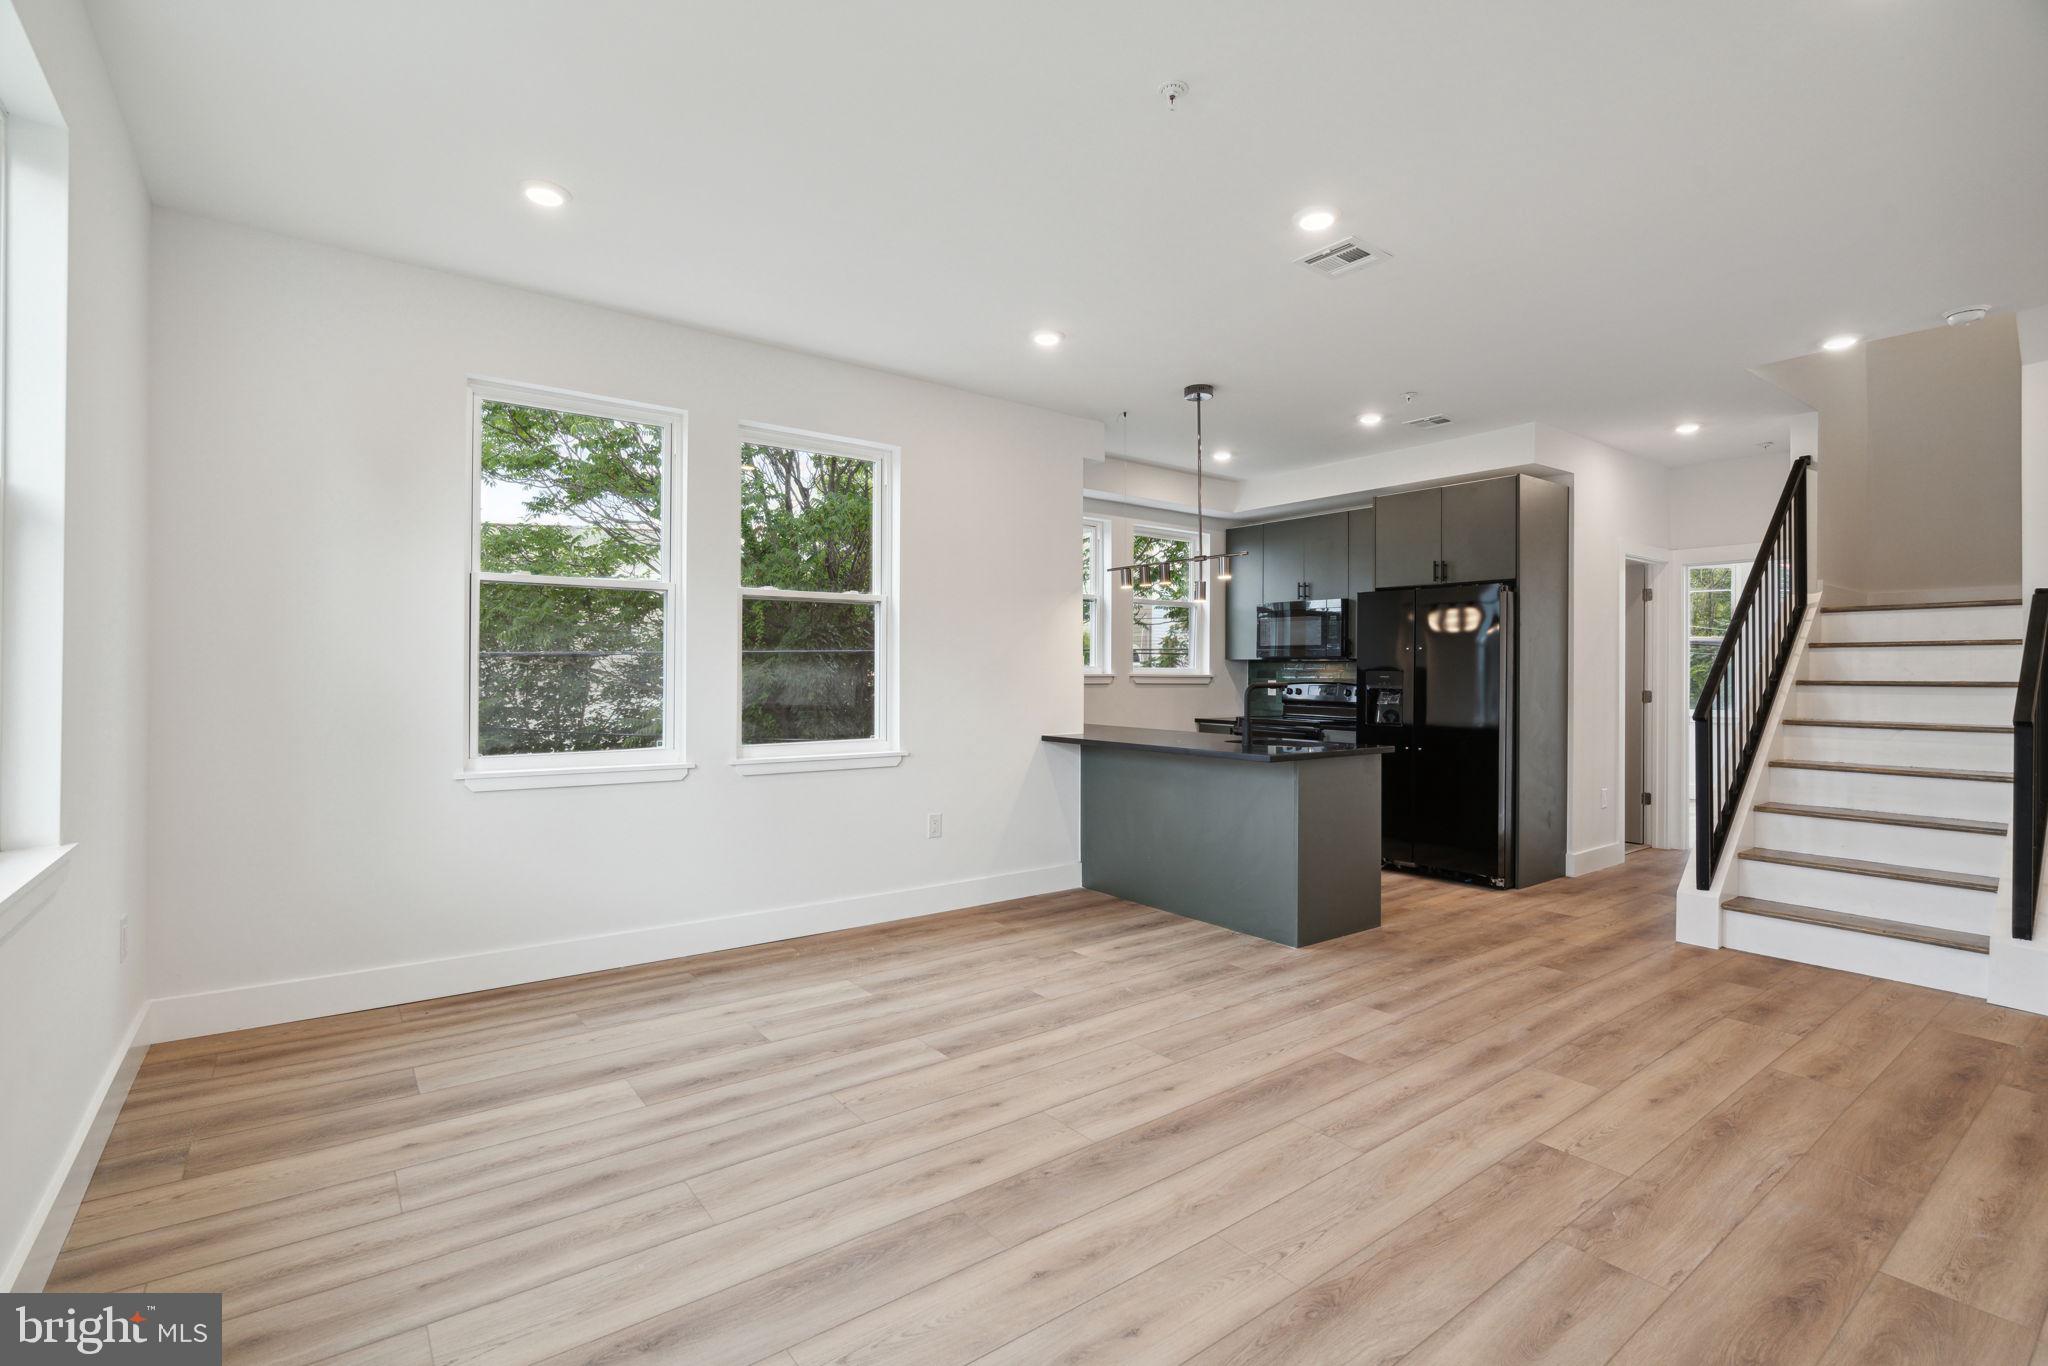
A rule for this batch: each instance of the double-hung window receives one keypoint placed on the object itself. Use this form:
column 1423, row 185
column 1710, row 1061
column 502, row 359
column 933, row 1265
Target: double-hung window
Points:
column 1094, row 626
column 817, row 603
column 1710, row 606
column 574, row 609
column 1168, row 626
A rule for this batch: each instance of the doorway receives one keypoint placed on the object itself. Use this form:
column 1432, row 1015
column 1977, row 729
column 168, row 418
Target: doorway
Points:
column 1635, row 700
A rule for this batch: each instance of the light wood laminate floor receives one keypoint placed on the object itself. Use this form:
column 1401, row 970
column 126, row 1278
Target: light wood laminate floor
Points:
column 1508, row 1127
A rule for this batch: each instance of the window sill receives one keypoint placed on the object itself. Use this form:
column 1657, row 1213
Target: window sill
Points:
column 591, row 775
column 1097, row 678
column 27, row 877
column 1142, row 676
column 755, row 766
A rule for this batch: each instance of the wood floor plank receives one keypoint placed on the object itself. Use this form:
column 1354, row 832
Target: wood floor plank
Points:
column 1633, row 1122
column 1561, row 1307
column 1987, row 1021
column 1611, row 1052
column 1408, row 1284
column 1664, row 1220
column 1157, row 1318
column 1981, row 1235
column 1897, row 1324
column 561, row 1311
column 974, row 1311
column 1316, row 1229
column 1861, row 1039
column 1778, row 1287
column 1904, row 1125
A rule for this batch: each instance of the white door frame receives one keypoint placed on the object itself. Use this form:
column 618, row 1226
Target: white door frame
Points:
column 1678, row 720
column 1660, row 779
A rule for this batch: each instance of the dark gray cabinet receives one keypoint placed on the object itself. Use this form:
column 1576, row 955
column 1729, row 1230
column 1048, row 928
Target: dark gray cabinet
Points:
column 1244, row 593
column 1408, row 538
column 1325, row 559
column 1480, row 520
column 1360, row 534
column 1307, row 557
column 1460, row 533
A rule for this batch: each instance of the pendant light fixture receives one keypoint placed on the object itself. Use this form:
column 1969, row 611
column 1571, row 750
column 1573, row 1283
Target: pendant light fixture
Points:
column 1201, row 566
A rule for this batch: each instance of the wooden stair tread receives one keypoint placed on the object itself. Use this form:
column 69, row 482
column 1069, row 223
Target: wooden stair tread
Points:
column 1922, row 606
column 1899, row 644
column 1964, row 775
column 1947, row 726
column 1845, row 813
column 1863, row 867
column 1904, row 683
column 1863, row 924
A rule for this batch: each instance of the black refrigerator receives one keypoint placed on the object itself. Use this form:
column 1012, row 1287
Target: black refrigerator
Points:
column 1436, row 680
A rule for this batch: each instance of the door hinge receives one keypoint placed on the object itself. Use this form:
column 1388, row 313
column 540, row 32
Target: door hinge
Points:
column 1649, row 595
column 1646, row 695
column 1646, row 799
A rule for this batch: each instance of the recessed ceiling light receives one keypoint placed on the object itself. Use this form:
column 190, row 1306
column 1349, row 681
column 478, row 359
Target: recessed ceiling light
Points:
column 545, row 193
column 1686, row 428
column 1048, row 338
column 1371, row 419
column 1221, row 455
column 1314, row 220
column 1841, row 343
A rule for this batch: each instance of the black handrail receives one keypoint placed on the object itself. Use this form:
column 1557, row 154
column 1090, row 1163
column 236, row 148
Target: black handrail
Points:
column 1735, row 701
column 2029, row 766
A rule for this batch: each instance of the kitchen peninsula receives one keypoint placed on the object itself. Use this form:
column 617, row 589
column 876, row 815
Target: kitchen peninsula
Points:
column 1281, row 841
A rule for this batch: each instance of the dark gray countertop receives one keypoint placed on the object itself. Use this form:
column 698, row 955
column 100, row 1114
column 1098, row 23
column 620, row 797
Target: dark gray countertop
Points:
column 1197, row 745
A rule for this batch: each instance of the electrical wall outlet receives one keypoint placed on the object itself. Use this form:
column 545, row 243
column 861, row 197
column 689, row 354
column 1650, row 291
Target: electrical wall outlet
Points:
column 934, row 826
column 124, row 939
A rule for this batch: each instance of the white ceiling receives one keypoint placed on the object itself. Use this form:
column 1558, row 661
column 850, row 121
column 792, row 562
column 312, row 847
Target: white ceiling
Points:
column 1600, row 213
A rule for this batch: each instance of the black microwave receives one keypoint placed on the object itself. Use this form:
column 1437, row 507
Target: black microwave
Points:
column 1318, row 628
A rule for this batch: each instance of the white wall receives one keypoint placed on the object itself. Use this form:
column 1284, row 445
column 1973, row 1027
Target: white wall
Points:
column 2033, row 342
column 1725, row 502
column 311, row 504
column 1123, row 700
column 67, row 1004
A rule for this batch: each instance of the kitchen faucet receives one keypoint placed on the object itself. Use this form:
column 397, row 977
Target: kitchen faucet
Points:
column 1249, row 689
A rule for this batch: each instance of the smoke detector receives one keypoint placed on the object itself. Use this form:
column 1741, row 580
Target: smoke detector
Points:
column 1341, row 257
column 1433, row 420
column 1173, row 90
column 1963, row 317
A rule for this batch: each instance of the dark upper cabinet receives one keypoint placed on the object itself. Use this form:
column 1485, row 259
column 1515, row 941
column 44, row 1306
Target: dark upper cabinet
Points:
column 1479, row 530
column 1245, row 591
column 1325, row 559
column 1307, row 557
column 1408, row 535
column 1360, row 578
column 1283, row 561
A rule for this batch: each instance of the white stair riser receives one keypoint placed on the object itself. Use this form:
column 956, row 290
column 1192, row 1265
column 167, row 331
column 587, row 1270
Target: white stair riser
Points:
column 1970, row 801
column 1875, row 955
column 1960, row 706
column 1921, row 748
column 1915, row 903
column 1958, row 623
column 2000, row 662
column 1949, row 850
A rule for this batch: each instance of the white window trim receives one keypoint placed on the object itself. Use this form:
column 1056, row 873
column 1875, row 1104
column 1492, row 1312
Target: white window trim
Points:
column 1103, row 633
column 1197, row 668
column 663, row 763
column 882, row 749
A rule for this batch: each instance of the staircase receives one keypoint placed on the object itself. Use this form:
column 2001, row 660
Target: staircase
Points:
column 1877, row 839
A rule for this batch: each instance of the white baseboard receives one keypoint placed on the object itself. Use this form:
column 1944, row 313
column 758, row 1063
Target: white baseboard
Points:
column 28, row 1265
column 1579, row 862
column 305, row 998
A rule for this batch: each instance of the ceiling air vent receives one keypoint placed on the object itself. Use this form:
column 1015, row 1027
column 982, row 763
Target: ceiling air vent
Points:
column 1433, row 420
column 1342, row 257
